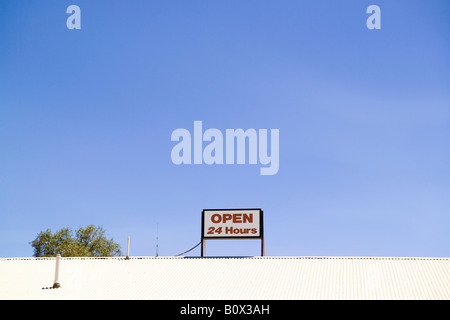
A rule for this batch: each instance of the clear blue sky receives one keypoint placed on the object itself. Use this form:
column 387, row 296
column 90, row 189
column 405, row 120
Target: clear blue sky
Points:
column 86, row 118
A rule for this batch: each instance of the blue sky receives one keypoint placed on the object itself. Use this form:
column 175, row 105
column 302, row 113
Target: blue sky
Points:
column 86, row 118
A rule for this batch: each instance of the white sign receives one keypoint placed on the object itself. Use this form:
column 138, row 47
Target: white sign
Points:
column 232, row 223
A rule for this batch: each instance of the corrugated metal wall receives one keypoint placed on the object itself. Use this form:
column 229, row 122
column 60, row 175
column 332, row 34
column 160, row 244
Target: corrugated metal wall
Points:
column 228, row 278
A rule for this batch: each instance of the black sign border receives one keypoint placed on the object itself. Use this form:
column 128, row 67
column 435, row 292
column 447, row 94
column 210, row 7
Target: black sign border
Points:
column 261, row 232
column 261, row 224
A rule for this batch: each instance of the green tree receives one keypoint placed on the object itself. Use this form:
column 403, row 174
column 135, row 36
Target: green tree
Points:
column 87, row 242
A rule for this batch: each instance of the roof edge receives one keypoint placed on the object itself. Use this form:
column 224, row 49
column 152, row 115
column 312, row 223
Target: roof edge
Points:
column 231, row 257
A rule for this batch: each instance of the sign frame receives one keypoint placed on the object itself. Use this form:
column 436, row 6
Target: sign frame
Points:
column 260, row 236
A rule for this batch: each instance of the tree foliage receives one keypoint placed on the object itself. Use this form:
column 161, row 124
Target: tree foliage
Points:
column 87, row 242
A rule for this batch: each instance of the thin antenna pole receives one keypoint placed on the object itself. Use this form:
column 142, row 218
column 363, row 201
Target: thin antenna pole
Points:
column 156, row 239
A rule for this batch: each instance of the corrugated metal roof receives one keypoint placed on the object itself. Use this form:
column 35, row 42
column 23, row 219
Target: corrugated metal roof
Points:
column 178, row 278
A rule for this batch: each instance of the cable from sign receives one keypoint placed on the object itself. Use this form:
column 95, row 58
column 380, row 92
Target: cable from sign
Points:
column 189, row 249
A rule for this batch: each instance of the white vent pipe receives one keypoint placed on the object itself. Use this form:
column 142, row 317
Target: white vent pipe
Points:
column 128, row 248
column 56, row 284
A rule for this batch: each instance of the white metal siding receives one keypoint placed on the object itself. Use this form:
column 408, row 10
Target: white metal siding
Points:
column 227, row 278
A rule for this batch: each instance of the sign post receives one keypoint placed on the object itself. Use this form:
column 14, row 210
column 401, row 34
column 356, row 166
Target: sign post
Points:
column 232, row 224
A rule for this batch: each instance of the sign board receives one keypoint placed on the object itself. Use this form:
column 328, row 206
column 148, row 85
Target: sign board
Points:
column 232, row 223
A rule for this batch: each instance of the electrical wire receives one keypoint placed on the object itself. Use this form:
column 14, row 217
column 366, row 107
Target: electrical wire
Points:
column 188, row 250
